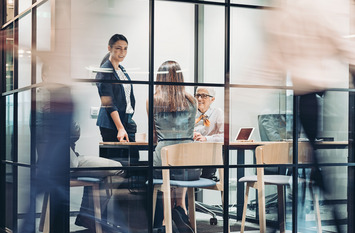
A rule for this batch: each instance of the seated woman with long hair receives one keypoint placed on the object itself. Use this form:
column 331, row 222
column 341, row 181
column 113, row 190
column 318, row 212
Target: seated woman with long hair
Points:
column 174, row 119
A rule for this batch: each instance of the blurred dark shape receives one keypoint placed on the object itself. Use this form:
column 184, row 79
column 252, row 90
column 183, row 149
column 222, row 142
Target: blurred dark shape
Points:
column 50, row 128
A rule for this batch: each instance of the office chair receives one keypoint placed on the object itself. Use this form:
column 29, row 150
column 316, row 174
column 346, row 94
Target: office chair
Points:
column 187, row 154
column 275, row 153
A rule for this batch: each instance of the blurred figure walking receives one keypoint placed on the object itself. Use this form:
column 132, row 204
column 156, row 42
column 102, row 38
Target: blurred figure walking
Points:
column 308, row 42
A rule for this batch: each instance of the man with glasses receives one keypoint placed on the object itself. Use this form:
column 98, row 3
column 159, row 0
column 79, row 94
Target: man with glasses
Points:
column 209, row 122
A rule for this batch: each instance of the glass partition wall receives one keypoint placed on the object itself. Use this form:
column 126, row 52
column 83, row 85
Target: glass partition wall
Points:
column 217, row 45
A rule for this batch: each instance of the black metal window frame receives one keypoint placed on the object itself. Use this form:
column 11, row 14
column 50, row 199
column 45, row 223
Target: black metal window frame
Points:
column 151, row 83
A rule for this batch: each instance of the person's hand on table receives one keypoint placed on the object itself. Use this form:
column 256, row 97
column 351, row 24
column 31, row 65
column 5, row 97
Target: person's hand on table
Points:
column 122, row 135
column 199, row 137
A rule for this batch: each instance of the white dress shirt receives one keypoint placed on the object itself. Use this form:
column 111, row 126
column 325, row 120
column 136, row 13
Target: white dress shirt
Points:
column 214, row 132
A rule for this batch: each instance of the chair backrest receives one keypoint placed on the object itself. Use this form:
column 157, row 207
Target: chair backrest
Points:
column 193, row 154
column 274, row 153
column 305, row 152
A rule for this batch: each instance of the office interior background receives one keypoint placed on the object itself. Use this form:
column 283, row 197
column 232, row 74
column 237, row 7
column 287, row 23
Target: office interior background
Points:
column 217, row 43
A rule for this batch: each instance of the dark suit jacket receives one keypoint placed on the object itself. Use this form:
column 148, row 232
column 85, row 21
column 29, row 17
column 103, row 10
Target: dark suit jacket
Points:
column 117, row 94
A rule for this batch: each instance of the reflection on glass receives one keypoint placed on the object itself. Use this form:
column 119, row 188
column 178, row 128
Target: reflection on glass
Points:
column 24, row 137
column 9, row 10
column 249, row 106
column 23, row 188
column 44, row 30
column 257, row 2
column 174, row 35
column 247, row 46
column 9, row 54
column 23, row 5
column 9, row 127
column 24, row 51
column 9, row 196
column 212, row 40
column 133, row 22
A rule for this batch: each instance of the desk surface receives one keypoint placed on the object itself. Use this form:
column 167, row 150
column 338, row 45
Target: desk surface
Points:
column 125, row 143
column 241, row 144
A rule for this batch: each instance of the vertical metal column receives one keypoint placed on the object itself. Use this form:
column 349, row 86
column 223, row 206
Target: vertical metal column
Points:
column 151, row 116
column 226, row 117
column 351, row 169
column 295, row 162
column 2, row 121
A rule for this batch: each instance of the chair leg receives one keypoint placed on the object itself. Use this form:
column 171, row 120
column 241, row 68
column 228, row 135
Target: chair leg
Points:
column 245, row 208
column 167, row 209
column 316, row 209
column 281, row 207
column 46, row 216
column 262, row 214
column 192, row 211
column 97, row 210
column 155, row 195
column 44, row 212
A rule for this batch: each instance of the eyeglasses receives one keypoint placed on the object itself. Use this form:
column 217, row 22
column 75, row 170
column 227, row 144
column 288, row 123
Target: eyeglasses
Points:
column 203, row 96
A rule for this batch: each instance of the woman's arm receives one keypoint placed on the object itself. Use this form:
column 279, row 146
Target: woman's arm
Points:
column 122, row 134
column 106, row 94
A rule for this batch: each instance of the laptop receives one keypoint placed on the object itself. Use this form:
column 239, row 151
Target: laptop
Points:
column 244, row 133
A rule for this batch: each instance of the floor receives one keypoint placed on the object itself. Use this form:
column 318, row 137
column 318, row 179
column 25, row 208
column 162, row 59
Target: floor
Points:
column 137, row 221
column 128, row 208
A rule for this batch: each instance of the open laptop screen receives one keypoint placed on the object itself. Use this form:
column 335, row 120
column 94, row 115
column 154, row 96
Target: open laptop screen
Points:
column 244, row 133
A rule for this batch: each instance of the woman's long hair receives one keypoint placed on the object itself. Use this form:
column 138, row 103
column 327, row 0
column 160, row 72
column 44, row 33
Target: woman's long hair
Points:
column 171, row 98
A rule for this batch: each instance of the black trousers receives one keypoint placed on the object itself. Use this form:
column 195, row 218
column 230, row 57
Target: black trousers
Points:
column 124, row 156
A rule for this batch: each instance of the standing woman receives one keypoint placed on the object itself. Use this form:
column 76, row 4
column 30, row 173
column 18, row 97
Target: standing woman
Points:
column 174, row 120
column 117, row 100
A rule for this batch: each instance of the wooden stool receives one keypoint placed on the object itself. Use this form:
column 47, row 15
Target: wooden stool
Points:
column 77, row 182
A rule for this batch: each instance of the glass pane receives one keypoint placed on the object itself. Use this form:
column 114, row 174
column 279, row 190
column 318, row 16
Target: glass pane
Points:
column 257, row 2
column 334, row 116
column 248, row 46
column 91, row 35
column 214, row 1
column 128, row 199
column 9, row 53
column 23, row 188
column 332, row 202
column 88, row 104
column 10, row 198
column 9, row 128
column 23, row 5
column 254, row 104
column 212, row 40
column 24, row 51
column 174, row 36
column 9, row 10
column 24, row 137
column 44, row 30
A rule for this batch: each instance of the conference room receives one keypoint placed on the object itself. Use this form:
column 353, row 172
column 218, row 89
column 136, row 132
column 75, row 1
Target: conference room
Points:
column 64, row 53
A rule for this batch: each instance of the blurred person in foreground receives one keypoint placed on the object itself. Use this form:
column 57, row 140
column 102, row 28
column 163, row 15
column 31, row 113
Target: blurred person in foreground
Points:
column 208, row 123
column 50, row 129
column 44, row 126
column 306, row 41
column 174, row 119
